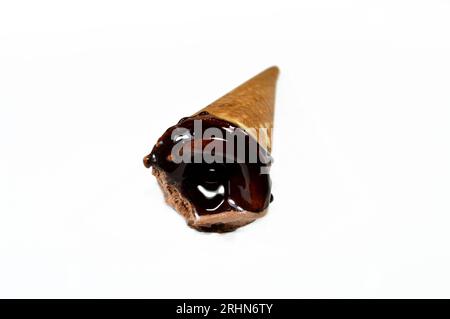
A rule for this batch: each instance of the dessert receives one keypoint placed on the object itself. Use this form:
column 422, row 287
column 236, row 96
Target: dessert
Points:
column 213, row 166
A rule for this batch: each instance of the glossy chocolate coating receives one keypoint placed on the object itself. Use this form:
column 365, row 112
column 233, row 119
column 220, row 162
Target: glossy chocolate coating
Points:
column 215, row 187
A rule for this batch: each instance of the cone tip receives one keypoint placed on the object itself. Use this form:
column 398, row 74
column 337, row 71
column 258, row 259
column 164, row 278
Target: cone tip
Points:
column 273, row 69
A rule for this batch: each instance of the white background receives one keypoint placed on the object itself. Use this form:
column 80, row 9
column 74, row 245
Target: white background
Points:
column 362, row 155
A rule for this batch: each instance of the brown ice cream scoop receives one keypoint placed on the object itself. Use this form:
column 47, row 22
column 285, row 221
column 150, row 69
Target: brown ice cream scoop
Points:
column 213, row 166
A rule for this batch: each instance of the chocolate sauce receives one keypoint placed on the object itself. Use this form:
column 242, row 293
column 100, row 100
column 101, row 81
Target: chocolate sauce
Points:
column 233, row 181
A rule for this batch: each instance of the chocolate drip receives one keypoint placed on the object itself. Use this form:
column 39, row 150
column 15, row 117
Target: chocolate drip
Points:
column 218, row 186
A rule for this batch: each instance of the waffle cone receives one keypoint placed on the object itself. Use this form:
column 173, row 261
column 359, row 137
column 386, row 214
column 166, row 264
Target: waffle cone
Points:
column 250, row 106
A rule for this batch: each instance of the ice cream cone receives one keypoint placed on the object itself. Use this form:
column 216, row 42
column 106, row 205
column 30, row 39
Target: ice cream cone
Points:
column 249, row 107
